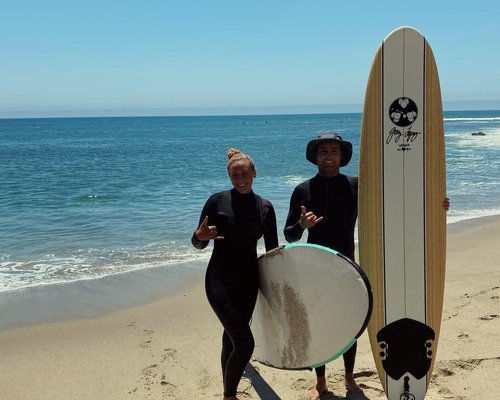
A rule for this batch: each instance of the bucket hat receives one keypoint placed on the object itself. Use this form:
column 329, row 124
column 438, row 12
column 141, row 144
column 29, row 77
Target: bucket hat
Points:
column 345, row 147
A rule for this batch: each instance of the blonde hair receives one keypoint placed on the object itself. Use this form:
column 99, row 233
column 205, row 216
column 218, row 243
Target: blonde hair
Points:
column 234, row 155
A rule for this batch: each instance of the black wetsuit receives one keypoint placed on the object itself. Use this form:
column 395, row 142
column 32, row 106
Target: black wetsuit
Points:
column 231, row 280
column 334, row 199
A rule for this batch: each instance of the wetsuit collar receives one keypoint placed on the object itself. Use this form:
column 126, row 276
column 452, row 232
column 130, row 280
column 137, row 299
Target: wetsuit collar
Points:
column 327, row 178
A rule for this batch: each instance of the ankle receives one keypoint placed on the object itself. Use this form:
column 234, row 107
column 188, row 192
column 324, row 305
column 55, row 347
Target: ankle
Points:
column 320, row 383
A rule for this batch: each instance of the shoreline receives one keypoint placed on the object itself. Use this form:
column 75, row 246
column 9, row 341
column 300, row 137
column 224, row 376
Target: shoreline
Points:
column 169, row 348
column 91, row 298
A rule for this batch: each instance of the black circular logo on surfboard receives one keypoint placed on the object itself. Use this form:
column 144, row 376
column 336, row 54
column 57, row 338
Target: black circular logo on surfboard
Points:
column 403, row 111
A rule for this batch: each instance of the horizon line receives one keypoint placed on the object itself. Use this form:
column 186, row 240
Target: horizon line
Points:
column 354, row 108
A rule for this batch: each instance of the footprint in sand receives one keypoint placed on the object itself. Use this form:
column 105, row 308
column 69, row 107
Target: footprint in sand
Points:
column 447, row 394
column 167, row 388
column 148, row 333
column 489, row 317
column 458, row 365
column 445, row 372
column 301, row 384
column 365, row 374
column 147, row 370
column 148, row 375
column 149, row 336
column 203, row 379
column 153, row 378
column 169, row 359
column 169, row 354
column 170, row 386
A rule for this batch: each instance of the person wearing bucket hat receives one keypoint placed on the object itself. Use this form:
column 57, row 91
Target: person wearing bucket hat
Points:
column 326, row 205
column 345, row 147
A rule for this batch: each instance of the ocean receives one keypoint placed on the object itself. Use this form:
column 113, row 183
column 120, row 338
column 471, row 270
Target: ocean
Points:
column 85, row 198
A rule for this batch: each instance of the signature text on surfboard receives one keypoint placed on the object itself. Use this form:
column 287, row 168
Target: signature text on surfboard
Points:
column 403, row 138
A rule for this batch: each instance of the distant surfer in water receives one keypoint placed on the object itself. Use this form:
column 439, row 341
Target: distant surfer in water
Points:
column 326, row 205
column 235, row 219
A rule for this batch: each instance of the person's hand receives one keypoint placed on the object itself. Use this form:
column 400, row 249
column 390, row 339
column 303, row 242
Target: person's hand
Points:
column 446, row 204
column 206, row 232
column 308, row 219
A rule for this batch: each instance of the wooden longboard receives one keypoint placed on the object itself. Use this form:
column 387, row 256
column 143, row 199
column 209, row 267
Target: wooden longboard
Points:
column 313, row 304
column 402, row 221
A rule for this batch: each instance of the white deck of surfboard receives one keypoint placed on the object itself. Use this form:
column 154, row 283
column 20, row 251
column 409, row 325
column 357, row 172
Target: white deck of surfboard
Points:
column 404, row 244
column 403, row 73
column 311, row 306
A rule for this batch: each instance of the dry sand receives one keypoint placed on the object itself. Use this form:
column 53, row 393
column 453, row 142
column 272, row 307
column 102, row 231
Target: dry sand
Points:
column 169, row 348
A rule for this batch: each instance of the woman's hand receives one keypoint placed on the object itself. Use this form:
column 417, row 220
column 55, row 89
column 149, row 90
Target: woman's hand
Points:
column 206, row 232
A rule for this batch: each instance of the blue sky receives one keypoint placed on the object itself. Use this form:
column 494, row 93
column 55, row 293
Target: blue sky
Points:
column 211, row 57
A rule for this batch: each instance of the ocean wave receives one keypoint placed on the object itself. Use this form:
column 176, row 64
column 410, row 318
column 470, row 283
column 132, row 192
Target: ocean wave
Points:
column 472, row 119
column 293, row 180
column 93, row 263
column 460, row 216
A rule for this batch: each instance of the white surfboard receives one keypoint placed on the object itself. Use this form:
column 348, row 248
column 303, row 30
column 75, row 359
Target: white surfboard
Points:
column 402, row 221
column 313, row 304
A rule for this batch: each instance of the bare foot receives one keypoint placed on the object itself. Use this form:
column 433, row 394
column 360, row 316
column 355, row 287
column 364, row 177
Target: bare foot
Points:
column 320, row 389
column 351, row 385
column 314, row 395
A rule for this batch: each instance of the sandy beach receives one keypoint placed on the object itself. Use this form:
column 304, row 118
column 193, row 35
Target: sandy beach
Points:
column 169, row 348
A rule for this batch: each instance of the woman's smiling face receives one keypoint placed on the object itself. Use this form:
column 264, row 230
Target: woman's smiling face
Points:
column 241, row 175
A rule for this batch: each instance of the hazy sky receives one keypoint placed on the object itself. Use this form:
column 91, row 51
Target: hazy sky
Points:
column 112, row 57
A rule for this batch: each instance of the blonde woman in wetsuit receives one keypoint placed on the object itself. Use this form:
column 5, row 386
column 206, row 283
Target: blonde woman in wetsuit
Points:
column 235, row 220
